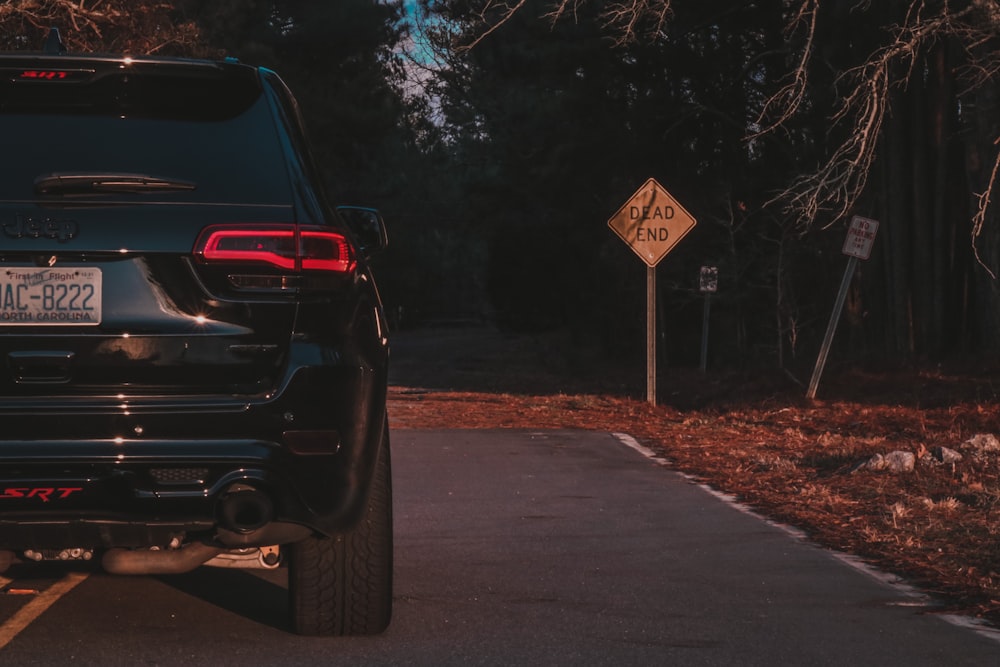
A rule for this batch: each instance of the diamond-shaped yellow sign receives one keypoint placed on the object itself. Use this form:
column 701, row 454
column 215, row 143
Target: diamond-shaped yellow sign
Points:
column 651, row 222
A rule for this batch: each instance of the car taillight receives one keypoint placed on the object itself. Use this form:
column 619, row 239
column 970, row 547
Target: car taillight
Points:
column 325, row 251
column 289, row 248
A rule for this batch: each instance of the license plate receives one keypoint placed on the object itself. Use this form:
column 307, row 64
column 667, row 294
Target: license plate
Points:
column 50, row 296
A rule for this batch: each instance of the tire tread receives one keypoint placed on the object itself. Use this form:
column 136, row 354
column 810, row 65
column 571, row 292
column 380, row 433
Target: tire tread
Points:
column 342, row 585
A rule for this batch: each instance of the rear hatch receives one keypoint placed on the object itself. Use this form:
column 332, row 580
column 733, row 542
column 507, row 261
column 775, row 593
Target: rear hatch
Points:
column 119, row 182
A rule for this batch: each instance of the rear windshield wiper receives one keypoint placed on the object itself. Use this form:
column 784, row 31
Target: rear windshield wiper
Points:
column 88, row 183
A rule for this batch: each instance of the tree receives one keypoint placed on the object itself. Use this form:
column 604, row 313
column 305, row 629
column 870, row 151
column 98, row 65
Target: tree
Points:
column 114, row 26
column 912, row 82
column 556, row 126
column 880, row 108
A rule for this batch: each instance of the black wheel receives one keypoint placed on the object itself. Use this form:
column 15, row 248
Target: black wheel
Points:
column 342, row 585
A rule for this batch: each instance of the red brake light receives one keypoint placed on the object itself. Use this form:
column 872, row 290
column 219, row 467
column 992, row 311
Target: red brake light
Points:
column 326, row 251
column 66, row 75
column 271, row 246
column 286, row 247
column 48, row 75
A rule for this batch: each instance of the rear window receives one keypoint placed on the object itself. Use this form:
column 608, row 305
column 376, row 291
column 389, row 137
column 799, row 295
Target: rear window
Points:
column 208, row 126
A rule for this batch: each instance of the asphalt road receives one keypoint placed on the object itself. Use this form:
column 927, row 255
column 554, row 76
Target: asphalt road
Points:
column 515, row 548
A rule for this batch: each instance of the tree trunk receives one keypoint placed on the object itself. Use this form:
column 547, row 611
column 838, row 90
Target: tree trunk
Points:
column 942, row 102
column 923, row 277
column 897, row 235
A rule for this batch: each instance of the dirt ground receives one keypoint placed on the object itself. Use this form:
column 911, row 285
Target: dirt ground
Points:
column 822, row 465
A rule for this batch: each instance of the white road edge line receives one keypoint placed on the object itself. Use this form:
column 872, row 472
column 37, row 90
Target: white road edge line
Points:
column 632, row 443
column 31, row 611
column 850, row 560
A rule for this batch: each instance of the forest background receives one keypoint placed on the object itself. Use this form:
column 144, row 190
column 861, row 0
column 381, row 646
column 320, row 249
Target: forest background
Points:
column 498, row 139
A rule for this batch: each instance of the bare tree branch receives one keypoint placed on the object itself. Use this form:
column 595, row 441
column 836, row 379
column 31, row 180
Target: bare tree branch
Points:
column 96, row 25
column 622, row 18
column 784, row 104
column 979, row 219
column 835, row 187
column 507, row 12
column 625, row 18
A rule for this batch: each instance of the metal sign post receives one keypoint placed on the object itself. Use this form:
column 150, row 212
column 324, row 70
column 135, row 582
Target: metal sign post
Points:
column 651, row 334
column 651, row 222
column 708, row 284
column 857, row 245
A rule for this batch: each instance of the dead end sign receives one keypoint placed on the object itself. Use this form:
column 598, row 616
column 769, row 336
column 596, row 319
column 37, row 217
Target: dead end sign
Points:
column 651, row 222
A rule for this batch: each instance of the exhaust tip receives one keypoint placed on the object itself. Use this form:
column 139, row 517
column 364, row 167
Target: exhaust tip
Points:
column 244, row 509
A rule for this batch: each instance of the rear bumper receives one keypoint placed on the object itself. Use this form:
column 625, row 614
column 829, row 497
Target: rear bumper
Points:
column 117, row 472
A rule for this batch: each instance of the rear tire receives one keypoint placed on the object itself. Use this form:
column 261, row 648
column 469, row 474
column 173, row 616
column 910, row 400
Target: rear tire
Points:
column 342, row 585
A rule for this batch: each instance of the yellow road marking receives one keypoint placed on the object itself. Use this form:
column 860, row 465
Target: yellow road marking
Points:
column 29, row 612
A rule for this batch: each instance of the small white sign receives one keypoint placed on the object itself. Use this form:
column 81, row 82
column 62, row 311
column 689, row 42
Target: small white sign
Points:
column 708, row 280
column 860, row 237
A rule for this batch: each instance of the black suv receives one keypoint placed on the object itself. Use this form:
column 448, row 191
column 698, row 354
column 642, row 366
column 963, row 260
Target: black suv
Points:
column 193, row 354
